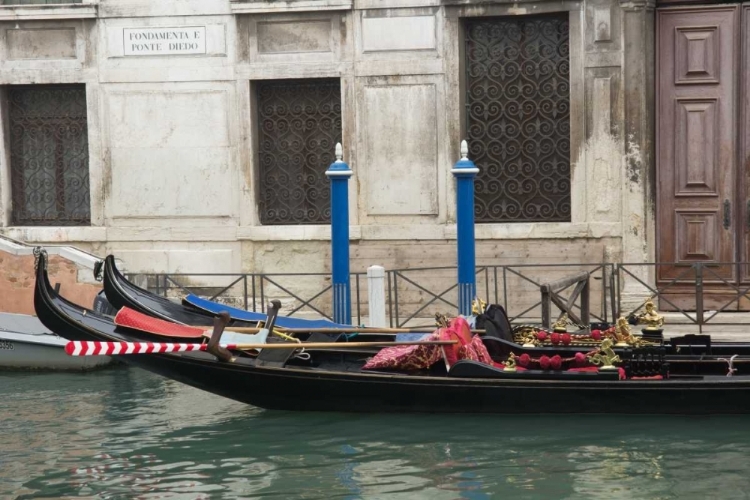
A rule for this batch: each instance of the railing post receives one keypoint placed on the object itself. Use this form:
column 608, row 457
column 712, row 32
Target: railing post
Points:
column 465, row 171
column 585, row 304
column 244, row 289
column 376, row 295
column 617, row 308
column 546, row 307
column 339, row 174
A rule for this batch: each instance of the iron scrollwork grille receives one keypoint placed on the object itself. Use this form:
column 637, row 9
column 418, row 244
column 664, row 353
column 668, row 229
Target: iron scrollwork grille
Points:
column 49, row 155
column 518, row 117
column 299, row 126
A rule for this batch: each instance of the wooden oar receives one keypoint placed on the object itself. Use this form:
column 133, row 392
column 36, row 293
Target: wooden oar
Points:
column 360, row 331
column 90, row 348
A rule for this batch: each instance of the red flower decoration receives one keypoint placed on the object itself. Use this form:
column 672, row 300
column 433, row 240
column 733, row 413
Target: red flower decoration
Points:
column 556, row 362
column 565, row 337
column 544, row 362
column 524, row 359
column 580, row 358
column 555, row 338
column 541, row 336
column 596, row 334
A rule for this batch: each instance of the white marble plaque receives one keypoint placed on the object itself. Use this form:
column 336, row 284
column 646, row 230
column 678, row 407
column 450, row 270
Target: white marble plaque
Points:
column 164, row 41
column 398, row 33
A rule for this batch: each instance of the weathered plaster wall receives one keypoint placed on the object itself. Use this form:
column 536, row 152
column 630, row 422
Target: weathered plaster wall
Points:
column 17, row 282
column 172, row 138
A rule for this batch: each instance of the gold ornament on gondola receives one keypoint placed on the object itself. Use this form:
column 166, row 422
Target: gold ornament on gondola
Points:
column 561, row 325
column 623, row 335
column 651, row 318
column 441, row 320
column 478, row 306
column 528, row 338
column 510, row 364
column 605, row 356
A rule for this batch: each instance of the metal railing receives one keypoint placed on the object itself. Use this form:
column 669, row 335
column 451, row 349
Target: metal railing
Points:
column 551, row 294
column 700, row 294
column 299, row 292
column 696, row 292
column 517, row 287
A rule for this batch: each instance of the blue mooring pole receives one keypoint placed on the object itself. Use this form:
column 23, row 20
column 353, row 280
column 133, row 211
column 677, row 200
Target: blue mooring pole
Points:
column 465, row 171
column 339, row 173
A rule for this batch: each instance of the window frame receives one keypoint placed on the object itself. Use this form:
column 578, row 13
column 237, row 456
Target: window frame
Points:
column 259, row 154
column 488, row 219
column 12, row 212
column 86, row 9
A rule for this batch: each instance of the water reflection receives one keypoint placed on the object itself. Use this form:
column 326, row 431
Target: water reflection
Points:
column 124, row 433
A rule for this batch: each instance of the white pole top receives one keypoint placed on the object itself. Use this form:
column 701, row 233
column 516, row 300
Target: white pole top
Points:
column 375, row 271
column 339, row 152
column 464, row 150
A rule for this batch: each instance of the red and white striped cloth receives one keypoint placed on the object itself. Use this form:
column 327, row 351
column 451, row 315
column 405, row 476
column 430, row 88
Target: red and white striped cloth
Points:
column 89, row 348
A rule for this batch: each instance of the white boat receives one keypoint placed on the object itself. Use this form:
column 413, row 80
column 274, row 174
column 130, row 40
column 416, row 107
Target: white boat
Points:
column 25, row 344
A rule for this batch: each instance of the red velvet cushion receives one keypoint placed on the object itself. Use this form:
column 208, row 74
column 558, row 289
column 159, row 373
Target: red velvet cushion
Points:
column 138, row 321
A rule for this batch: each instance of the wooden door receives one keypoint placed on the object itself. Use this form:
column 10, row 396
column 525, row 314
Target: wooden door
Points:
column 697, row 60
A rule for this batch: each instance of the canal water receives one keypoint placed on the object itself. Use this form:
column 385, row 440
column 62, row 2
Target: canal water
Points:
column 124, row 433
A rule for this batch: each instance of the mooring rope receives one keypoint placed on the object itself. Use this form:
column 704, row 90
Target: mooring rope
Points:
column 730, row 364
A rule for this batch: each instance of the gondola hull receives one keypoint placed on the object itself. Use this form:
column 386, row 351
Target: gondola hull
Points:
column 308, row 390
column 345, row 388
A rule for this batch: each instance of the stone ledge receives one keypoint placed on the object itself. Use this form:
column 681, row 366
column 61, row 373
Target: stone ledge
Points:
column 320, row 232
column 172, row 233
column 543, row 230
column 55, row 234
column 276, row 6
column 427, row 65
column 394, row 4
column 637, row 5
column 44, row 12
column 409, row 232
column 433, row 232
column 73, row 254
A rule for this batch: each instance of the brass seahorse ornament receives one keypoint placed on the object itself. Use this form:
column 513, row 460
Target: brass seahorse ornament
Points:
column 605, row 356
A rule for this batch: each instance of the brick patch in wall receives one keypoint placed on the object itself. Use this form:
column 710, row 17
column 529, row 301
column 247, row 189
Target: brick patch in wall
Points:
column 17, row 282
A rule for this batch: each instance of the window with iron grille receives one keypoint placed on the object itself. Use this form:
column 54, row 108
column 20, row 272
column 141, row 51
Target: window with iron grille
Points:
column 299, row 124
column 518, row 117
column 49, row 155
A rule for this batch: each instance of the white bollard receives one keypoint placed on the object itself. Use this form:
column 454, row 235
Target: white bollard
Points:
column 376, row 294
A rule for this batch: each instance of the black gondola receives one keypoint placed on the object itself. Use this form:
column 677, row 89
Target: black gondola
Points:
column 122, row 293
column 334, row 381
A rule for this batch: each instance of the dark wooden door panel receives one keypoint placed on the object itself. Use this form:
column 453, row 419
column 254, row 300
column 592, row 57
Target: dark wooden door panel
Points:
column 696, row 145
column 743, row 212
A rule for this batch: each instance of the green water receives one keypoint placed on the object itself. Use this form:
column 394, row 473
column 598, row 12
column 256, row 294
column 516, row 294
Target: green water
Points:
column 124, row 433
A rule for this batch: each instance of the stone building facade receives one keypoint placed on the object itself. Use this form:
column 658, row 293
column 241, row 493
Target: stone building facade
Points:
column 195, row 133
